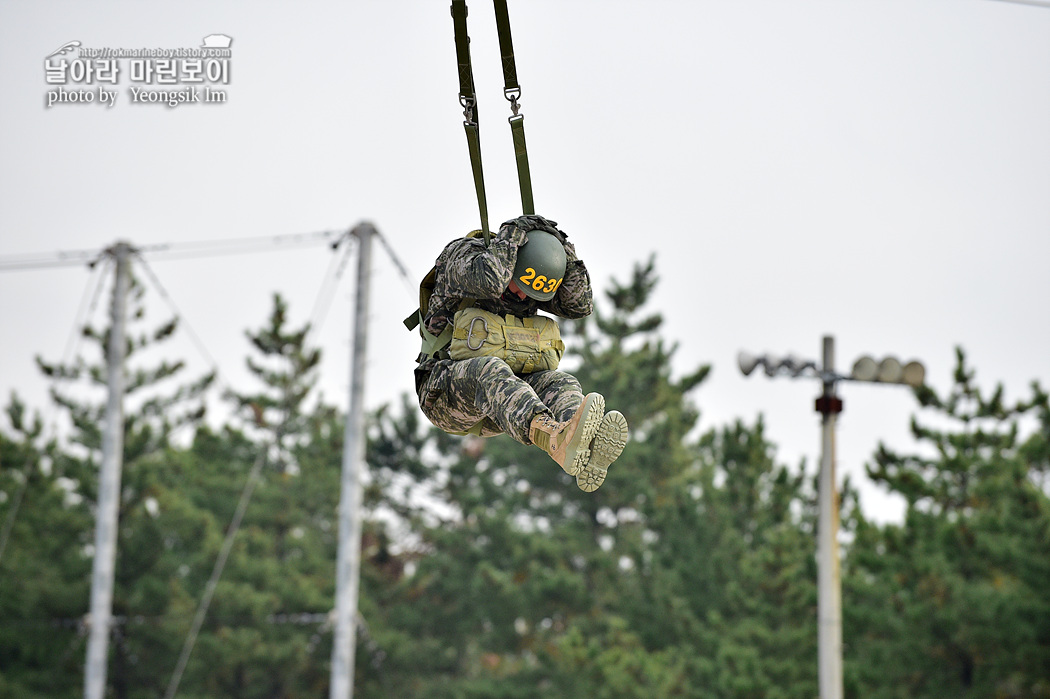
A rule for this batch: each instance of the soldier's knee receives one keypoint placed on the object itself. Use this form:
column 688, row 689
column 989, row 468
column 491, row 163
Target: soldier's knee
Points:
column 488, row 367
column 561, row 381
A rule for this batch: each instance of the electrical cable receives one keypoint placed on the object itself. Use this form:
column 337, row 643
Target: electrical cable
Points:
column 205, row 249
column 187, row 250
column 323, row 302
column 88, row 302
column 194, row 337
column 1034, row 3
column 236, row 246
column 413, row 288
column 37, row 260
column 16, row 503
column 213, row 581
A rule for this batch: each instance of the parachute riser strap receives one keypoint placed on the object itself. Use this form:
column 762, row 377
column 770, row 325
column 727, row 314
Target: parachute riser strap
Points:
column 468, row 100
column 521, row 157
column 512, row 91
column 466, row 77
column 506, row 49
column 474, row 146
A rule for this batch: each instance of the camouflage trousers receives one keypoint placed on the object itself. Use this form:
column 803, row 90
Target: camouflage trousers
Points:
column 483, row 391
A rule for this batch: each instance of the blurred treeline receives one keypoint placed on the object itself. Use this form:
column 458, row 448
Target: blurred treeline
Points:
column 486, row 573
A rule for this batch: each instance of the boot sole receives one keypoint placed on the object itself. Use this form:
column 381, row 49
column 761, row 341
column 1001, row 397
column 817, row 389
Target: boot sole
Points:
column 578, row 452
column 607, row 446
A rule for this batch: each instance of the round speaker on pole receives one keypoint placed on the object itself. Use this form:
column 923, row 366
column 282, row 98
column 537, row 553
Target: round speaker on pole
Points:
column 747, row 362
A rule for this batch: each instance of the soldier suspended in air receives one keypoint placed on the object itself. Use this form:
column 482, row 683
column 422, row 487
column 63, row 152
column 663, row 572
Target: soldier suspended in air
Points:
column 489, row 361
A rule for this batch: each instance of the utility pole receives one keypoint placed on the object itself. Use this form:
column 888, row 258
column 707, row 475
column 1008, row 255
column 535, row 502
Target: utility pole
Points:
column 348, row 560
column 829, row 591
column 108, row 505
column 829, row 405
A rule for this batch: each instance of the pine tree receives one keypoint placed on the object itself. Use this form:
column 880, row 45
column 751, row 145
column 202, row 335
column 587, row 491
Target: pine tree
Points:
column 44, row 571
column 280, row 569
column 154, row 408
column 954, row 601
column 287, row 370
column 156, row 405
column 689, row 573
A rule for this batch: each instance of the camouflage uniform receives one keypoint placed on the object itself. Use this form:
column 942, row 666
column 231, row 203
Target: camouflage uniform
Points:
column 457, row 395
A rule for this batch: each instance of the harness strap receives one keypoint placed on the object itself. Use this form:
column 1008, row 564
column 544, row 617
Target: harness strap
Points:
column 506, row 47
column 466, row 77
column 468, row 99
column 521, row 157
column 512, row 91
column 474, row 148
column 436, row 345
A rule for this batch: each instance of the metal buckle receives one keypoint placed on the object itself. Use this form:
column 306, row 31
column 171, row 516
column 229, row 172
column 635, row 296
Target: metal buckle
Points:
column 470, row 332
column 512, row 95
column 468, row 108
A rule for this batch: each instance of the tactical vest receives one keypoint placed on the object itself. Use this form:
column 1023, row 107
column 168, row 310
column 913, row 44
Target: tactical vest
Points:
column 526, row 344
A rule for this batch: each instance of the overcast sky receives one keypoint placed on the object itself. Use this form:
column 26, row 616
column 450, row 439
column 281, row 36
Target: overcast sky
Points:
column 878, row 170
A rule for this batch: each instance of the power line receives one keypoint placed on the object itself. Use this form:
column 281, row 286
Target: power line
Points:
column 41, row 260
column 331, row 282
column 393, row 256
column 174, row 309
column 186, row 250
column 237, row 246
column 410, row 284
column 89, row 299
column 1034, row 3
column 213, row 581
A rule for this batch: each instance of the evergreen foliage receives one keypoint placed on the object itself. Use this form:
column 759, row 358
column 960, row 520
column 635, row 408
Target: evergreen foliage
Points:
column 954, row 601
column 487, row 573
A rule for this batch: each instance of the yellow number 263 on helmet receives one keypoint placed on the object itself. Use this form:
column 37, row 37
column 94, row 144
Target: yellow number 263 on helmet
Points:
column 541, row 266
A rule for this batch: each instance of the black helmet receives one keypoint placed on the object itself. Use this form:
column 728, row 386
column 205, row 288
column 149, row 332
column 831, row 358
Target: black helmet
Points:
column 541, row 265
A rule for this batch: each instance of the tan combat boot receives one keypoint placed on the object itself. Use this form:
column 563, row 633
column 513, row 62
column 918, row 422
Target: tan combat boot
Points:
column 607, row 446
column 569, row 443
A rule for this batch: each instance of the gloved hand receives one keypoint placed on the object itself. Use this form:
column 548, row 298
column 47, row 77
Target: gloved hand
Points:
column 532, row 222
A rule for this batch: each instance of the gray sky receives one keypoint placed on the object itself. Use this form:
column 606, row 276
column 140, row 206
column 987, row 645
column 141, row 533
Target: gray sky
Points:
column 878, row 170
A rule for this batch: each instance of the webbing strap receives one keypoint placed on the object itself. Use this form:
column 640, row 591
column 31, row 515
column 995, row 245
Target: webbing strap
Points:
column 521, row 157
column 459, row 22
column 512, row 91
column 506, row 46
column 468, row 99
column 432, row 344
column 474, row 147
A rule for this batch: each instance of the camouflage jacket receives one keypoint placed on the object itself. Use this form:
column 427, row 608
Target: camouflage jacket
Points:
column 466, row 269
